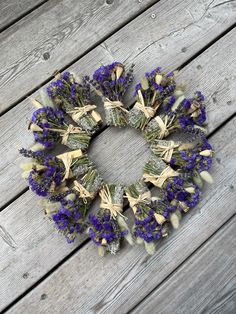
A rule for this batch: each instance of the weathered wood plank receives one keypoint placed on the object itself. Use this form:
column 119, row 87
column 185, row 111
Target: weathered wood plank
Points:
column 53, row 36
column 112, row 284
column 218, row 88
column 204, row 284
column 63, row 33
column 11, row 10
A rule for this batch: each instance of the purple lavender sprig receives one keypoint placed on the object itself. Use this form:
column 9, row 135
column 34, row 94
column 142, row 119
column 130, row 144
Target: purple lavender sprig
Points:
column 49, row 127
column 46, row 174
column 154, row 88
column 111, row 82
column 69, row 219
column 107, row 226
column 181, row 193
column 75, row 99
column 195, row 161
column 149, row 222
column 106, row 231
column 190, row 116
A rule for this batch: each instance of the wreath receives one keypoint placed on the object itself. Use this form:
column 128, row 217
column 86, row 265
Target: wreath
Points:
column 69, row 181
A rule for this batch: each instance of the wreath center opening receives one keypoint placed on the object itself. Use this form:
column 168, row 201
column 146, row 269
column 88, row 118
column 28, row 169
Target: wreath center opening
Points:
column 120, row 155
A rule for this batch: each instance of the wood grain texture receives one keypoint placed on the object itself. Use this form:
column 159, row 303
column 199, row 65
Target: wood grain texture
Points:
column 206, row 283
column 213, row 72
column 175, row 30
column 11, row 10
column 53, row 36
column 26, row 236
column 116, row 283
column 222, row 82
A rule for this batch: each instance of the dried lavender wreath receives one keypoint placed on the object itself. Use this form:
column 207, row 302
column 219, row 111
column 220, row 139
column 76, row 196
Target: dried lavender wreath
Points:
column 69, row 182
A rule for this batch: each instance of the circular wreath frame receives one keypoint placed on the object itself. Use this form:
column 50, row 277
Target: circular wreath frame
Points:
column 69, row 182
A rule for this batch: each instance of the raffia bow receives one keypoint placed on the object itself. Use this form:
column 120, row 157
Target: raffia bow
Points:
column 70, row 130
column 163, row 125
column 64, row 133
column 79, row 112
column 108, row 104
column 159, row 180
column 67, row 159
column 149, row 112
column 106, row 203
column 142, row 198
column 167, row 151
column 84, row 194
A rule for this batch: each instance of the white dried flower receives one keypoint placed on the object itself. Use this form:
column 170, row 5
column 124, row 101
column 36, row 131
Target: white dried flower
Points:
column 70, row 197
column 158, row 78
column 27, row 166
column 205, row 175
column 144, row 83
column 159, row 218
column 174, row 219
column 150, row 247
column 36, row 103
column 206, row 153
column 190, row 190
column 36, row 147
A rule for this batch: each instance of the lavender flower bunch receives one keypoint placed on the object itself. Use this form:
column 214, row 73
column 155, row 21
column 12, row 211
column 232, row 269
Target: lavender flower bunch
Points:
column 190, row 116
column 75, row 99
column 181, row 193
column 107, row 226
column 49, row 127
column 69, row 219
column 191, row 111
column 45, row 173
column 196, row 161
column 147, row 229
column 148, row 222
column 89, row 185
column 111, row 82
column 154, row 88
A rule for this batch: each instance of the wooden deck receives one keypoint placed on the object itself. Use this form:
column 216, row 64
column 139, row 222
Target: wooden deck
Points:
column 194, row 270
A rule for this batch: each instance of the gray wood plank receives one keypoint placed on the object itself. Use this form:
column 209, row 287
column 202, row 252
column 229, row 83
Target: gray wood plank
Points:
column 204, row 284
column 116, row 283
column 11, row 10
column 200, row 74
column 54, row 35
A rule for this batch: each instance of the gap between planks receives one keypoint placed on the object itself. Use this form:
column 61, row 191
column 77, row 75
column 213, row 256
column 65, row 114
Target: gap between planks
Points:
column 24, row 10
column 142, row 8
